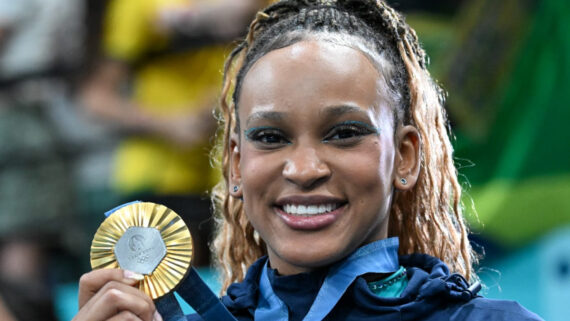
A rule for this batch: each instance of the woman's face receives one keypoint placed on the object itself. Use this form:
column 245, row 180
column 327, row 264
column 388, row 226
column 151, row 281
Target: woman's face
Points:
column 316, row 157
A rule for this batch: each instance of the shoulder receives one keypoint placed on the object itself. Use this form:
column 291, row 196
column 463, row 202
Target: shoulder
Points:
column 241, row 297
column 493, row 310
column 430, row 280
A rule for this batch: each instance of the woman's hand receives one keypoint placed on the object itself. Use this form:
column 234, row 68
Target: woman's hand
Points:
column 110, row 294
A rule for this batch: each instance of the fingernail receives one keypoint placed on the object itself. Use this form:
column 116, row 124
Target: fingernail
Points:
column 133, row 275
column 157, row 316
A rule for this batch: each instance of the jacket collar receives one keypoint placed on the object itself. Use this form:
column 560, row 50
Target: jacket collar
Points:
column 429, row 279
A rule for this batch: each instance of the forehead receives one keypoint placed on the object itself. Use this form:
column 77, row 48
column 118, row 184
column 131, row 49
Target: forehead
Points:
column 312, row 72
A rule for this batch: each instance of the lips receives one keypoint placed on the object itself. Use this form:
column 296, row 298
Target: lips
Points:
column 309, row 212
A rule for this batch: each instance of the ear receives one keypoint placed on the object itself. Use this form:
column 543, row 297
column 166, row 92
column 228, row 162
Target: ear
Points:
column 235, row 171
column 408, row 158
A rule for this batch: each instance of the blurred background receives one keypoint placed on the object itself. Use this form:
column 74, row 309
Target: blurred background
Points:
column 107, row 101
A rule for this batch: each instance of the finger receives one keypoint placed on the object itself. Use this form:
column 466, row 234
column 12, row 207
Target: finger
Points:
column 134, row 291
column 117, row 297
column 90, row 283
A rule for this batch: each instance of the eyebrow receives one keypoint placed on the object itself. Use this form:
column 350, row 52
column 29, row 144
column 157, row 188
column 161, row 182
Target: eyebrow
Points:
column 342, row 110
column 277, row 116
column 264, row 115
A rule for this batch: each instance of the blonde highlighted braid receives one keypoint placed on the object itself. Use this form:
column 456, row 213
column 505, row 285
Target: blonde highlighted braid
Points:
column 428, row 218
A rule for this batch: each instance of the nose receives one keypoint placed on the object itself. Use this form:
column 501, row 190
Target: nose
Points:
column 305, row 168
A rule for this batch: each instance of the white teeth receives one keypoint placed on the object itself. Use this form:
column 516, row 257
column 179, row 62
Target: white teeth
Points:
column 308, row 210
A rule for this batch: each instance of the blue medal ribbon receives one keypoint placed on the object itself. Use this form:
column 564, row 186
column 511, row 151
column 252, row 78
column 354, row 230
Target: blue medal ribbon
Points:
column 199, row 296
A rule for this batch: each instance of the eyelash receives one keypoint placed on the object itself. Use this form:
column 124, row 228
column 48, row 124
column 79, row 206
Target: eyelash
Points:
column 271, row 137
column 267, row 137
column 355, row 129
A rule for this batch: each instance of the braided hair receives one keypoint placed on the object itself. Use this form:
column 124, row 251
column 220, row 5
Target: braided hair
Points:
column 427, row 218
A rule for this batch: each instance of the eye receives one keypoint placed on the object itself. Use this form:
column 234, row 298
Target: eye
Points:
column 266, row 137
column 349, row 132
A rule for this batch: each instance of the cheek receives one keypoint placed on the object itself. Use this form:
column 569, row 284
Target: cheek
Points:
column 370, row 168
column 258, row 169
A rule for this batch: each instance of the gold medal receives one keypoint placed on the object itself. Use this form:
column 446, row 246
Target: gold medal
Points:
column 146, row 238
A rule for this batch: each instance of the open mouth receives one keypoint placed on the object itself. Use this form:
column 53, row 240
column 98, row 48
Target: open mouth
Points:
column 309, row 210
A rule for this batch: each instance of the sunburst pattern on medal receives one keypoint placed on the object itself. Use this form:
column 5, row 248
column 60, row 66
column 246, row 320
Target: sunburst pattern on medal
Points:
column 175, row 235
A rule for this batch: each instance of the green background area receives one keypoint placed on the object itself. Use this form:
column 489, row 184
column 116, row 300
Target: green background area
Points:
column 506, row 68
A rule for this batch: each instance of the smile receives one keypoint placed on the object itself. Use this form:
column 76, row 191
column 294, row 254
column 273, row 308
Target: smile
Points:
column 309, row 210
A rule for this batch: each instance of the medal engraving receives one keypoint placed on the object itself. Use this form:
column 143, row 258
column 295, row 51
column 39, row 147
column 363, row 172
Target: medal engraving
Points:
column 140, row 249
column 147, row 238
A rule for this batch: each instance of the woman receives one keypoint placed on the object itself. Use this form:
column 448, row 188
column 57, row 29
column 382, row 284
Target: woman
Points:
column 335, row 158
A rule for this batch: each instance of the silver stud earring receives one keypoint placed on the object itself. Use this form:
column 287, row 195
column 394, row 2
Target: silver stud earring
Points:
column 403, row 181
column 236, row 188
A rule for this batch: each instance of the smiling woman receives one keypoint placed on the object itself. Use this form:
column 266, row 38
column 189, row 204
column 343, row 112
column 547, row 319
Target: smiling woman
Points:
column 340, row 198
column 311, row 140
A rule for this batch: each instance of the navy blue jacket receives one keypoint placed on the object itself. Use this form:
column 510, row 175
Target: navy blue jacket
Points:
column 432, row 294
